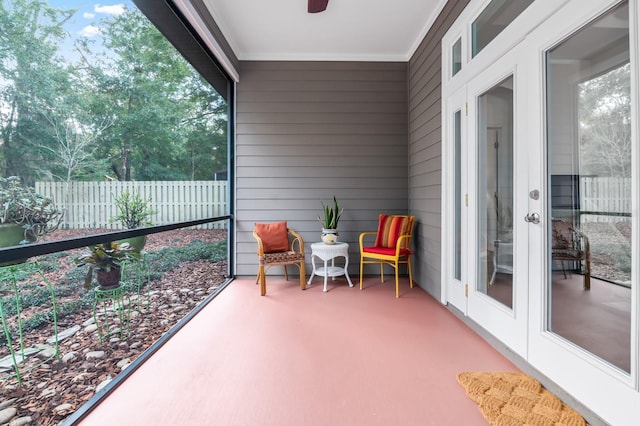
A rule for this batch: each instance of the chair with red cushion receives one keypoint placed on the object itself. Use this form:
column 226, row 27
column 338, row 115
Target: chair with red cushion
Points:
column 278, row 245
column 392, row 246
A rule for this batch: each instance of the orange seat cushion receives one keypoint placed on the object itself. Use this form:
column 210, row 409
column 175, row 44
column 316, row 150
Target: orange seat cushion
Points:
column 390, row 227
column 274, row 236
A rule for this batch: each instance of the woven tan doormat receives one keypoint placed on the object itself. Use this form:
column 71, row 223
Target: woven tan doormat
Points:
column 514, row 399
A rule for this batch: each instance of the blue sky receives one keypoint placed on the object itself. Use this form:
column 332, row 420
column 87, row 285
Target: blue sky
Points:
column 84, row 22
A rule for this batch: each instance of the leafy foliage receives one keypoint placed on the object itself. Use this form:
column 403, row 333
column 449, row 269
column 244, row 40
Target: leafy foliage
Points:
column 19, row 205
column 105, row 256
column 133, row 210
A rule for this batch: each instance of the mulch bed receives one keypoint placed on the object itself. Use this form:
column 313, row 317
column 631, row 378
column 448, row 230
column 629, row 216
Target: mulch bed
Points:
column 54, row 389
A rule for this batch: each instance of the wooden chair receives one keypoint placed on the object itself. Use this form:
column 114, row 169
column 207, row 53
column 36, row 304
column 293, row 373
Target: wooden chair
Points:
column 278, row 245
column 392, row 246
column 571, row 244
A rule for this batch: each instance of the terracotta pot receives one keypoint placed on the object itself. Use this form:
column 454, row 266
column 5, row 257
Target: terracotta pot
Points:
column 108, row 279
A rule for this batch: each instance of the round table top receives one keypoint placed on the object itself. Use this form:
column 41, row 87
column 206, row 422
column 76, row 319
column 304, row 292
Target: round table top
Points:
column 328, row 251
column 328, row 246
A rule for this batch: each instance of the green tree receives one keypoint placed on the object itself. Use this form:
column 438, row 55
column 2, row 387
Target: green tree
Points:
column 161, row 106
column 605, row 123
column 30, row 79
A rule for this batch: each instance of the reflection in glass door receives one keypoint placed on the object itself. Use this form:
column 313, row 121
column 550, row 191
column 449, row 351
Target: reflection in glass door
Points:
column 589, row 178
column 495, row 192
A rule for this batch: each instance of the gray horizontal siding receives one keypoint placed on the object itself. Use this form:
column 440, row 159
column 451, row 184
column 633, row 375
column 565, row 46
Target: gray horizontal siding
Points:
column 425, row 148
column 306, row 131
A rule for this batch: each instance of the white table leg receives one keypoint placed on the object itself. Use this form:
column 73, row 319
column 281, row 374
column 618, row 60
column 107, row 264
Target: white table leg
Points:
column 346, row 274
column 313, row 272
column 326, row 273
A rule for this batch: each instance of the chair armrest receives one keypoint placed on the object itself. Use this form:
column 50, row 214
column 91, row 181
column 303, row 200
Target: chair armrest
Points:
column 404, row 242
column 260, row 246
column 361, row 238
column 297, row 241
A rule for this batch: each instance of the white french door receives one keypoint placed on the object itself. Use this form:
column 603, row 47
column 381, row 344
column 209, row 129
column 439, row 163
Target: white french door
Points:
column 585, row 112
column 496, row 172
column 487, row 278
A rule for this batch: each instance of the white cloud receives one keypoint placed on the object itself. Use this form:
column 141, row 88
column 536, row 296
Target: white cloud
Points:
column 115, row 9
column 88, row 15
column 90, row 31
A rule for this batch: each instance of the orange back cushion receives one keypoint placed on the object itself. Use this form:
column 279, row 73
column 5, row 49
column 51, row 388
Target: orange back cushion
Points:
column 274, row 236
column 390, row 228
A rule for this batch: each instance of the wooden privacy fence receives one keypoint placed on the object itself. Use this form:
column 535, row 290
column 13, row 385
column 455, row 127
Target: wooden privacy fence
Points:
column 91, row 204
column 605, row 199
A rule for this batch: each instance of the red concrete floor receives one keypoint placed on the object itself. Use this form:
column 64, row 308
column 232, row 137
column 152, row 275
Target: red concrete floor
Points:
column 293, row 357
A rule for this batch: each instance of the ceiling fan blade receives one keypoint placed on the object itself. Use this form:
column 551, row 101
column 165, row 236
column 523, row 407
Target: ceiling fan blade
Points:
column 316, row 6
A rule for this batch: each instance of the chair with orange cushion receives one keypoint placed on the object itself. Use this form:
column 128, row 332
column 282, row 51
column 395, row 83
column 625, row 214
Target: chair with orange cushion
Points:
column 278, row 245
column 392, row 246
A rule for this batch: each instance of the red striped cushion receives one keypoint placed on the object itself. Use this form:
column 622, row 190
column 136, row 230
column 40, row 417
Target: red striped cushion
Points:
column 390, row 228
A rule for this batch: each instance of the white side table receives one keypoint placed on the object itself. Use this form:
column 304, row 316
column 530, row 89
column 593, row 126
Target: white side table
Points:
column 327, row 252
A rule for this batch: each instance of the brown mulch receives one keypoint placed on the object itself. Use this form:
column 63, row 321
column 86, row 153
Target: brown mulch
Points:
column 55, row 389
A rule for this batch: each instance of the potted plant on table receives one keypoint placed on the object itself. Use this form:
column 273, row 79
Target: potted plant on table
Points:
column 106, row 259
column 133, row 212
column 329, row 220
column 25, row 215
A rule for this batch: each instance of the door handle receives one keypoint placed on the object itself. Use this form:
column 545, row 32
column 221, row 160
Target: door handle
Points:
column 532, row 218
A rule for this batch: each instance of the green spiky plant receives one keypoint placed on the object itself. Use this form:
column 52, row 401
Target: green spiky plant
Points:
column 331, row 215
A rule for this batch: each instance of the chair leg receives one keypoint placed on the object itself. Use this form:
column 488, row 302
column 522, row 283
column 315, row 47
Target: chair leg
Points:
column 263, row 281
column 396, row 266
column 410, row 272
column 381, row 272
column 587, row 274
column 303, row 280
column 286, row 274
column 563, row 270
column 361, row 269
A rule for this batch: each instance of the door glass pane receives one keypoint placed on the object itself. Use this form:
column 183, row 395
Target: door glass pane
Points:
column 456, row 54
column 589, row 174
column 457, row 130
column 494, row 18
column 495, row 192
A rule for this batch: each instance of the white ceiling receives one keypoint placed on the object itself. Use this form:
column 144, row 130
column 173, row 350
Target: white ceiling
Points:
column 349, row 30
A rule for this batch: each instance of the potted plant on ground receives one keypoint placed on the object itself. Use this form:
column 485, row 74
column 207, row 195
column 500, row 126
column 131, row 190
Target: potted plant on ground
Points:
column 106, row 259
column 329, row 220
column 24, row 214
column 133, row 212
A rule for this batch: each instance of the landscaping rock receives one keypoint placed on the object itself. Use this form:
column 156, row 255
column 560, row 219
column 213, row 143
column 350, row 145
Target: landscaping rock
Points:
column 7, row 403
column 95, row 355
column 21, row 421
column 64, row 334
column 103, row 384
column 90, row 328
column 63, row 409
column 69, row 357
column 7, row 414
column 46, row 353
